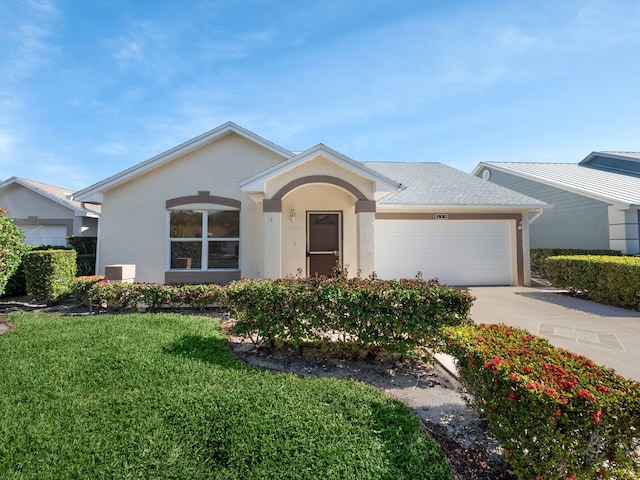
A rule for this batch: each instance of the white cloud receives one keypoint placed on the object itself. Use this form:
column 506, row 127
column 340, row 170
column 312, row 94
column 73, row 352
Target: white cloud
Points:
column 31, row 40
column 112, row 148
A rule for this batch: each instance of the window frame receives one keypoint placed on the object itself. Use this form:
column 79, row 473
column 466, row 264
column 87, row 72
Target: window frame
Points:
column 204, row 240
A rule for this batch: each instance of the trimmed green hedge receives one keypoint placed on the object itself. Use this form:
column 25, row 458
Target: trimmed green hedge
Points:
column 538, row 257
column 94, row 290
column 605, row 279
column 11, row 249
column 557, row 414
column 49, row 274
column 352, row 314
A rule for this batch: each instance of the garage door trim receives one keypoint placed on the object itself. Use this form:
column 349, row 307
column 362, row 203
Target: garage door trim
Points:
column 516, row 217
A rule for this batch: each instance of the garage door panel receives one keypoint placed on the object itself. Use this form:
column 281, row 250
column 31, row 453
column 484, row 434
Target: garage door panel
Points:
column 457, row 252
column 45, row 234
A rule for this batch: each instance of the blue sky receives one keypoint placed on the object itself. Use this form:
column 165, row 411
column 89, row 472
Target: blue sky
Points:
column 90, row 88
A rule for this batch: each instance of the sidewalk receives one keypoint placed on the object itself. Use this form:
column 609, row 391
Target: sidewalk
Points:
column 607, row 335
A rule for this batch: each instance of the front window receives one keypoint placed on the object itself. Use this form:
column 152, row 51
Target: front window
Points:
column 217, row 249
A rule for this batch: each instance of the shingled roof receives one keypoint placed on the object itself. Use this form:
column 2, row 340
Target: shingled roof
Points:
column 432, row 183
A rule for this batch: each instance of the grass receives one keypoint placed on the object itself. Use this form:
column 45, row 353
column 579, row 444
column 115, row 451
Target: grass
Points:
column 161, row 396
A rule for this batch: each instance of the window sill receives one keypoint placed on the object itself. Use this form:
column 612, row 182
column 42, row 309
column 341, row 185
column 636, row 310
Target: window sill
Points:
column 202, row 276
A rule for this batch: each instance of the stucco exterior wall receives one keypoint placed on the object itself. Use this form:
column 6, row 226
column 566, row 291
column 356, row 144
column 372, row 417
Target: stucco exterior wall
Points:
column 316, row 197
column 24, row 203
column 29, row 209
column 322, row 167
column 134, row 222
column 574, row 221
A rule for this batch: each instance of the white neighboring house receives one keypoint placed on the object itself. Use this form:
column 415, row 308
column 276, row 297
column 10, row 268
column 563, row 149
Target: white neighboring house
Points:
column 45, row 213
column 595, row 202
column 229, row 204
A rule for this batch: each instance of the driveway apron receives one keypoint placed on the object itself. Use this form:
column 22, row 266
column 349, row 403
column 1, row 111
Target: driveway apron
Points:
column 607, row 335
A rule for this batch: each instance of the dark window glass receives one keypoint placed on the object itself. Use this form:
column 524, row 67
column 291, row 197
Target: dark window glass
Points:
column 186, row 224
column 223, row 254
column 186, row 255
column 223, row 224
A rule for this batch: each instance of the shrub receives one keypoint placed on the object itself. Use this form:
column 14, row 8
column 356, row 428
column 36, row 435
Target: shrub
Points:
column 395, row 316
column 129, row 296
column 83, row 245
column 610, row 280
column 17, row 284
column 538, row 257
column 50, row 274
column 86, row 264
column 11, row 249
column 557, row 414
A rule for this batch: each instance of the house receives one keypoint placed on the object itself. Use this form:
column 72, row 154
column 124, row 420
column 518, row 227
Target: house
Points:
column 595, row 202
column 229, row 204
column 46, row 214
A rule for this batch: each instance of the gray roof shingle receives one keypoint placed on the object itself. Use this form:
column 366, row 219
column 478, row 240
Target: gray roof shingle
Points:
column 432, row 183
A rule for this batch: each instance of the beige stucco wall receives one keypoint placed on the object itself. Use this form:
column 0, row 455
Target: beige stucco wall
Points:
column 30, row 208
column 134, row 222
column 23, row 203
column 320, row 165
column 316, row 197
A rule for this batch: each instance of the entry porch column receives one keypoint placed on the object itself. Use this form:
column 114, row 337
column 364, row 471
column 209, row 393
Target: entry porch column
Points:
column 272, row 239
column 366, row 216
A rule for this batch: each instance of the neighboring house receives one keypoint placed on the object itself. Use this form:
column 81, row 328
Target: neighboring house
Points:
column 46, row 214
column 595, row 202
column 229, row 204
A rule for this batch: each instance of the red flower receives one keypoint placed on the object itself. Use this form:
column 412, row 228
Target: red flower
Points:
column 585, row 394
column 533, row 385
column 603, row 388
column 596, row 417
column 494, row 362
column 551, row 392
column 513, row 396
column 513, row 377
column 527, row 370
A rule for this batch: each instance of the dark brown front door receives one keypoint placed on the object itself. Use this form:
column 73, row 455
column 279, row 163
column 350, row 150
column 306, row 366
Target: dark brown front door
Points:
column 323, row 242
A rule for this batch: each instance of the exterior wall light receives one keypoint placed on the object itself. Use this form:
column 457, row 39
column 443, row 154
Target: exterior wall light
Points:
column 292, row 215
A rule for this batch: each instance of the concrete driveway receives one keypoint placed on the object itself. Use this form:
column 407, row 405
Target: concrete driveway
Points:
column 607, row 335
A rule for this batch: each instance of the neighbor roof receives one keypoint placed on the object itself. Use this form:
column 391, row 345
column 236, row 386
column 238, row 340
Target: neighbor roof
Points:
column 432, row 183
column 604, row 185
column 59, row 195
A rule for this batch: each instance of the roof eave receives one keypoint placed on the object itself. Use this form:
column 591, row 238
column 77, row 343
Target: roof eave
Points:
column 257, row 182
column 458, row 207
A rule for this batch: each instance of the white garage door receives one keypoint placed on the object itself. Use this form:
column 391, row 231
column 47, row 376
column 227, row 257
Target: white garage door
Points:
column 45, row 234
column 457, row 252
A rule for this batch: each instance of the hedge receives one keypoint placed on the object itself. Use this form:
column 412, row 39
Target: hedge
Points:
column 352, row 314
column 605, row 279
column 49, row 274
column 94, row 290
column 557, row 414
column 538, row 257
column 11, row 249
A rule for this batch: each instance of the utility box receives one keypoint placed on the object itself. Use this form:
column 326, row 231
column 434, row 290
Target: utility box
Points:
column 120, row 273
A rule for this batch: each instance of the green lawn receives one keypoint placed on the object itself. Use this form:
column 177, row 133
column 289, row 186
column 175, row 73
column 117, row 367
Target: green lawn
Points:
column 160, row 396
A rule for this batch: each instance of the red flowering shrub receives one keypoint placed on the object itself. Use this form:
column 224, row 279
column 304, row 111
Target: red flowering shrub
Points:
column 605, row 279
column 351, row 313
column 557, row 414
